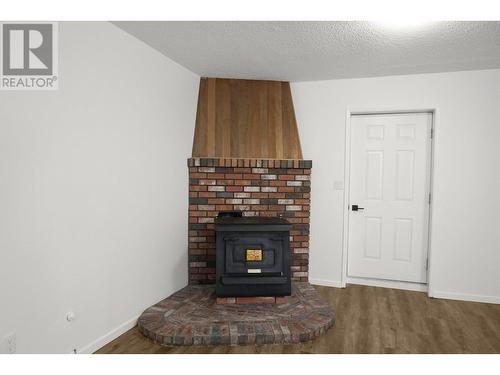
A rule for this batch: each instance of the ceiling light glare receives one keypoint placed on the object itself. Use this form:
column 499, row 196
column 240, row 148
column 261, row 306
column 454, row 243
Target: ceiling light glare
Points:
column 402, row 24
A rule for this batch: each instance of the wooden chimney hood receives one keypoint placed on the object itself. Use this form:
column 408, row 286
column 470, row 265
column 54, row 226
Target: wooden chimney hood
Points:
column 245, row 119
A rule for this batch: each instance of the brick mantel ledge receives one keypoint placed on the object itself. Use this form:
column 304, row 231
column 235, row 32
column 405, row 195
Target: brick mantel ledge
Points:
column 249, row 163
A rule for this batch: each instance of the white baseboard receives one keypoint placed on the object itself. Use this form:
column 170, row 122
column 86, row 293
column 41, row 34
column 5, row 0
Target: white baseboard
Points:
column 417, row 287
column 335, row 284
column 108, row 337
column 466, row 297
column 407, row 286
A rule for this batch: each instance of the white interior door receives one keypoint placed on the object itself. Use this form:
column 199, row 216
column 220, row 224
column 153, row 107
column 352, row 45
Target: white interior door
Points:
column 390, row 185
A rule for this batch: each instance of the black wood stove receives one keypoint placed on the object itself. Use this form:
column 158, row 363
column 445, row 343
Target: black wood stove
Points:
column 253, row 256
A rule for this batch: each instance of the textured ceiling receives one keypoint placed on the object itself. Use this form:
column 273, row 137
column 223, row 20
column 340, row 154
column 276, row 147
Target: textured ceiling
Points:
column 303, row 51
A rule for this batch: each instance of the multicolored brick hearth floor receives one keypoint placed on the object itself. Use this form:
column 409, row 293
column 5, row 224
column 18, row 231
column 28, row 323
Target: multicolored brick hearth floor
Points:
column 192, row 317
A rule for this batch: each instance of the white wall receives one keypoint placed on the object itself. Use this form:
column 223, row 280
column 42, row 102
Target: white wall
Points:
column 465, row 260
column 93, row 191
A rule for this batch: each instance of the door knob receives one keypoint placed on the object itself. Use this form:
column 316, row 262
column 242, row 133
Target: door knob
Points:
column 355, row 207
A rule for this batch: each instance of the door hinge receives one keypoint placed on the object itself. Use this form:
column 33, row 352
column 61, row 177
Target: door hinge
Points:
column 429, row 200
column 427, row 264
column 432, row 133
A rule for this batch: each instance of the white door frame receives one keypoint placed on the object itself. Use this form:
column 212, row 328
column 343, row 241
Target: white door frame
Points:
column 347, row 169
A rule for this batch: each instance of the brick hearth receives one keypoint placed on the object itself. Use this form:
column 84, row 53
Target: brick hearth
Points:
column 258, row 187
column 192, row 317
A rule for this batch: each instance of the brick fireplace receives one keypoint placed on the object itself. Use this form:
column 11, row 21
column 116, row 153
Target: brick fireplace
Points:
column 249, row 205
column 257, row 187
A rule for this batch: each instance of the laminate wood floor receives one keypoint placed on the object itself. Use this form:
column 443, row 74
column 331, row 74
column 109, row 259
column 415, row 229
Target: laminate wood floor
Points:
column 371, row 320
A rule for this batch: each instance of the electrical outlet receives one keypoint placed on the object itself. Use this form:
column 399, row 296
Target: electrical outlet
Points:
column 9, row 343
column 70, row 316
